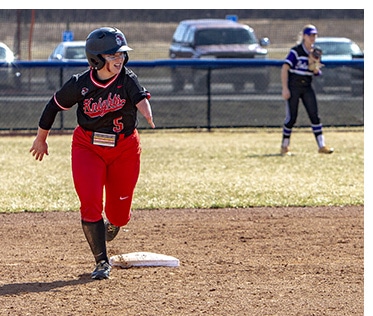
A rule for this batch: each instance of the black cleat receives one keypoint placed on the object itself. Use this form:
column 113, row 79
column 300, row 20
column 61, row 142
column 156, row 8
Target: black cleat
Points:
column 101, row 271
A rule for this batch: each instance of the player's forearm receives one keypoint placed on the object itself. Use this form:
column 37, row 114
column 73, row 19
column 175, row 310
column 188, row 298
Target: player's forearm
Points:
column 284, row 76
column 49, row 115
column 42, row 134
column 146, row 110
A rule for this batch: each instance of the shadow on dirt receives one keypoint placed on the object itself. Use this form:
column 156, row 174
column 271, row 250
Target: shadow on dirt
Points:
column 37, row 287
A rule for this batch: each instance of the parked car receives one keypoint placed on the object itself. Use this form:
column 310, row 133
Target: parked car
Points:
column 65, row 52
column 214, row 39
column 69, row 51
column 340, row 49
column 9, row 75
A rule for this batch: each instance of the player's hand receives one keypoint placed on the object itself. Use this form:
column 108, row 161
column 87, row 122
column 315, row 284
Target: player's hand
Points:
column 39, row 148
column 150, row 122
column 314, row 65
column 286, row 93
column 314, row 60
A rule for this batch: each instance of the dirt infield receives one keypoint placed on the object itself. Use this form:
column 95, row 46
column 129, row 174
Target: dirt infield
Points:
column 258, row 261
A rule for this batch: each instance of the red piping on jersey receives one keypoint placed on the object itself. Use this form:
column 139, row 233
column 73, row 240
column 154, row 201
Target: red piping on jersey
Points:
column 100, row 85
column 55, row 100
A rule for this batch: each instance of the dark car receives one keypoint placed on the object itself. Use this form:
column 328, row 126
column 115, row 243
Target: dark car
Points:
column 340, row 49
column 215, row 39
column 9, row 75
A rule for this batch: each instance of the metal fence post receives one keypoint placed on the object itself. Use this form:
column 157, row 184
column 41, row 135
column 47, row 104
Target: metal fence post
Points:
column 209, row 98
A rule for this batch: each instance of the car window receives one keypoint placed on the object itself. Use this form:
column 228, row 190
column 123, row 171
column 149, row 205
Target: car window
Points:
column 178, row 35
column 224, row 37
column 355, row 49
column 2, row 53
column 331, row 48
column 58, row 51
column 189, row 35
column 75, row 53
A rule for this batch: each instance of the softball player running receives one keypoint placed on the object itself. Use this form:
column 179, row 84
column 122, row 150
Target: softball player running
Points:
column 300, row 65
column 105, row 145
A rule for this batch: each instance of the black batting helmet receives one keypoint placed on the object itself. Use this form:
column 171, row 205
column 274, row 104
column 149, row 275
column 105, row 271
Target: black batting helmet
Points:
column 105, row 40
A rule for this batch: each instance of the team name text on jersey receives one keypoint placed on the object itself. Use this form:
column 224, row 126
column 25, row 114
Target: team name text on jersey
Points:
column 102, row 107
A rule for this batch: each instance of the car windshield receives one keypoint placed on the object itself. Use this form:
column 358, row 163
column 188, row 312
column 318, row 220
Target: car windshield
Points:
column 224, row 36
column 75, row 53
column 332, row 48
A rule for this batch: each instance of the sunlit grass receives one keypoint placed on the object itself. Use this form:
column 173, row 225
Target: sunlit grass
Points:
column 189, row 169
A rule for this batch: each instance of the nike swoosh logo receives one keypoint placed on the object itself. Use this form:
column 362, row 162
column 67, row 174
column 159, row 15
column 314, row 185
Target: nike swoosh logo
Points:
column 123, row 198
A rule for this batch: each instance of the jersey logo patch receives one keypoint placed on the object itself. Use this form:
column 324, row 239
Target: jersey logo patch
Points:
column 84, row 91
column 119, row 39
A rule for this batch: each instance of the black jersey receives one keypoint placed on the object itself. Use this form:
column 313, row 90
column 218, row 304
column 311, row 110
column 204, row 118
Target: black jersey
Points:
column 297, row 59
column 108, row 106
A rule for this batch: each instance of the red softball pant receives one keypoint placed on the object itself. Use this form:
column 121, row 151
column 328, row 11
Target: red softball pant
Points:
column 105, row 176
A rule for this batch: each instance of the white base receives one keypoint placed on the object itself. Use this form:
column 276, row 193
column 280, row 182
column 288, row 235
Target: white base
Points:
column 143, row 259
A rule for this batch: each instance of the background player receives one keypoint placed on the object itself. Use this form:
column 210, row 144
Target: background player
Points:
column 297, row 71
column 105, row 145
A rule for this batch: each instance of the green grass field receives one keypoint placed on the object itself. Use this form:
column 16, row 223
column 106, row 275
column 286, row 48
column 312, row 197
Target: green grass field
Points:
column 194, row 169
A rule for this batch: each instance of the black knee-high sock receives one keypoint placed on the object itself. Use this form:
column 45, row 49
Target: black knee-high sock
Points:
column 95, row 235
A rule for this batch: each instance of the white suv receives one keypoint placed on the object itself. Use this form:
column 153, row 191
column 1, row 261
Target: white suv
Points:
column 69, row 51
column 9, row 74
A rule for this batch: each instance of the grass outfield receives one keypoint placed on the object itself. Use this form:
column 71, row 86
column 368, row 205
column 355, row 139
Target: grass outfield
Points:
column 191, row 169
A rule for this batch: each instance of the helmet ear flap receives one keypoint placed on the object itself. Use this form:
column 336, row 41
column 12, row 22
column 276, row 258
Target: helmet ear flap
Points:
column 97, row 62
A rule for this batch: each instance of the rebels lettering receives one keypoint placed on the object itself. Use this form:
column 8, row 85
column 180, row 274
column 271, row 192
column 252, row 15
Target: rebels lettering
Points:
column 102, row 107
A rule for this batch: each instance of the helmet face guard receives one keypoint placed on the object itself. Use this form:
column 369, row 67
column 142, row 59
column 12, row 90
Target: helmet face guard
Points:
column 105, row 40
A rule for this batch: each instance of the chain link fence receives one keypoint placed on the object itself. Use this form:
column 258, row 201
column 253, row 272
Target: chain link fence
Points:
column 193, row 94
column 183, row 95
